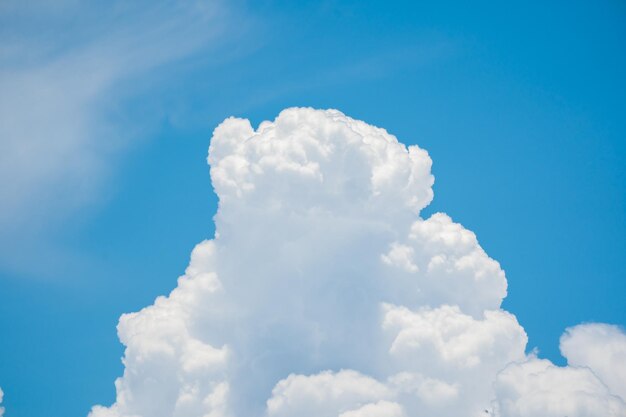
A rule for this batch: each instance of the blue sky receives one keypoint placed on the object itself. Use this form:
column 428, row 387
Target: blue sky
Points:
column 520, row 106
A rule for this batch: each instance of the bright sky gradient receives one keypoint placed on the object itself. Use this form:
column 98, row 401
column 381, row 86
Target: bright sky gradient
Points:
column 106, row 114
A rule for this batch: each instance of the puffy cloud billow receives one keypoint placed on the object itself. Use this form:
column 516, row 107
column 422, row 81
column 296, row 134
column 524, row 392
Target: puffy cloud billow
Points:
column 1, row 398
column 325, row 294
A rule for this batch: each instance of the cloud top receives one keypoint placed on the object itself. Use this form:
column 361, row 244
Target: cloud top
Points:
column 318, row 160
column 325, row 294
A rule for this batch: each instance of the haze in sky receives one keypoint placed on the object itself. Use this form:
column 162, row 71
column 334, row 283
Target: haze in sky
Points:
column 339, row 269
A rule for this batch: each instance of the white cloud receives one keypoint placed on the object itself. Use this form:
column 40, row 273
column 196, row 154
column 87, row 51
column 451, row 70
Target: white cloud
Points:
column 452, row 356
column 324, row 293
column 400, row 255
column 602, row 348
column 379, row 409
column 538, row 388
column 325, row 394
column 443, row 263
column 1, row 398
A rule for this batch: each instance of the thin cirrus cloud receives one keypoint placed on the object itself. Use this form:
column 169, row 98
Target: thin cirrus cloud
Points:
column 325, row 294
column 64, row 69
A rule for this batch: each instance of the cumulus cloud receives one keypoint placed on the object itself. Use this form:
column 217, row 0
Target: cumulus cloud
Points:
column 600, row 347
column 324, row 293
column 326, row 394
column 538, row 388
column 1, row 398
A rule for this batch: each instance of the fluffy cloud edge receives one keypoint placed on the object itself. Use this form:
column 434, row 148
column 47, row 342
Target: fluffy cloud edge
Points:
column 600, row 347
column 538, row 387
column 352, row 173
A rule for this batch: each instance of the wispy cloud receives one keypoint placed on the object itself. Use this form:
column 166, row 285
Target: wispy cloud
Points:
column 64, row 67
